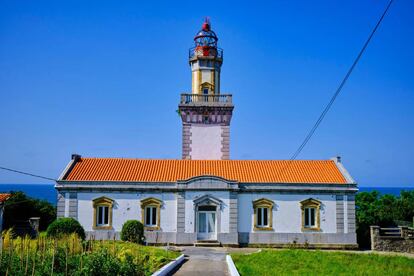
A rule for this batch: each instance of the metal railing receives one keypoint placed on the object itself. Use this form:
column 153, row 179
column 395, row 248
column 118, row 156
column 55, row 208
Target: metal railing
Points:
column 205, row 52
column 199, row 98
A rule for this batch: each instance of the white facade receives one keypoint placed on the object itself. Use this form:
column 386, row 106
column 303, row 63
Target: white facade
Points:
column 287, row 213
column 127, row 207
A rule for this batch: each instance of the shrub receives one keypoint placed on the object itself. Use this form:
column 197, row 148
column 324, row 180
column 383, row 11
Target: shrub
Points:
column 132, row 231
column 101, row 263
column 64, row 226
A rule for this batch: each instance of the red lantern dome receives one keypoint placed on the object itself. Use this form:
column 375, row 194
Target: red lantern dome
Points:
column 206, row 37
column 206, row 43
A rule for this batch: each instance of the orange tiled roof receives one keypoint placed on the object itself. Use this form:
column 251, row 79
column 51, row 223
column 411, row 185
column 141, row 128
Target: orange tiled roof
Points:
column 4, row 197
column 246, row 171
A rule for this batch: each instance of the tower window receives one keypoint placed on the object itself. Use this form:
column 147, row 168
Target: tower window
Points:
column 205, row 91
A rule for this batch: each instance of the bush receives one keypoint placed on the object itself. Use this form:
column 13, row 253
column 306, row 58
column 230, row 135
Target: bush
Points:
column 64, row 226
column 132, row 231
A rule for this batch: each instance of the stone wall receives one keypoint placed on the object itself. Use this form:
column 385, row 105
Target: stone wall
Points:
column 385, row 239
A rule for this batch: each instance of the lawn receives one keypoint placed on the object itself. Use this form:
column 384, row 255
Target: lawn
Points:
column 72, row 256
column 295, row 261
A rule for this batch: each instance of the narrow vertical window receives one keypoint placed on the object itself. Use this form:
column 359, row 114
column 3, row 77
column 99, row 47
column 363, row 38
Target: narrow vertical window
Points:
column 265, row 217
column 148, row 216
column 312, row 217
column 102, row 213
column 259, row 217
column 310, row 214
column 154, row 216
column 151, row 213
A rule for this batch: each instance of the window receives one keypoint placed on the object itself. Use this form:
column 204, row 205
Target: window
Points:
column 151, row 213
column 150, row 216
column 262, row 217
column 263, row 209
column 310, row 217
column 205, row 91
column 102, row 218
column 310, row 214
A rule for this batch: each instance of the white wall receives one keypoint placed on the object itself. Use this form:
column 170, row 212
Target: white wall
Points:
column 206, row 142
column 287, row 214
column 127, row 206
column 189, row 209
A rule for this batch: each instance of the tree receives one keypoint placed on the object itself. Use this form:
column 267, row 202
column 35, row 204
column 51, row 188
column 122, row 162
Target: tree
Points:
column 20, row 207
column 382, row 210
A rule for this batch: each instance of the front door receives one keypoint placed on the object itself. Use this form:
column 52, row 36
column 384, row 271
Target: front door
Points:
column 206, row 229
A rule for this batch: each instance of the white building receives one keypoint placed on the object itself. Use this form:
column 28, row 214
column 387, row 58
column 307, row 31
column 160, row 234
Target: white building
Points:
column 205, row 196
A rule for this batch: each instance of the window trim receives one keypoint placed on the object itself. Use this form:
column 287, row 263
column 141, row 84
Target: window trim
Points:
column 102, row 202
column 311, row 203
column 151, row 202
column 263, row 203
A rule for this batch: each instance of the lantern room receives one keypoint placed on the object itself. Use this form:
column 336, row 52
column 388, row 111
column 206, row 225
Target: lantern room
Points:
column 205, row 59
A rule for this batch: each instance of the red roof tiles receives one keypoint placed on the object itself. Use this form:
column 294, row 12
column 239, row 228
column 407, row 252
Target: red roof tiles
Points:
column 4, row 197
column 247, row 171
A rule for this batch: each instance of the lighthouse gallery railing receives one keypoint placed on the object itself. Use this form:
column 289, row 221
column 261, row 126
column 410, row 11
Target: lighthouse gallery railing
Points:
column 200, row 98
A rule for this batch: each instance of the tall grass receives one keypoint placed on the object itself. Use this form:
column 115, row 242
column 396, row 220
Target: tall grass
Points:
column 69, row 255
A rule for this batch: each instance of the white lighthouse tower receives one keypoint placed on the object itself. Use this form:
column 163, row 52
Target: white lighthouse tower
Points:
column 205, row 112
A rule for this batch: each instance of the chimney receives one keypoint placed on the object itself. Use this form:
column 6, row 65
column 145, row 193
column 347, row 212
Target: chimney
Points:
column 76, row 157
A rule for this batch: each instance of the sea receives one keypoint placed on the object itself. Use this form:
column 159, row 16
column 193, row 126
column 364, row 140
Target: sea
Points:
column 47, row 191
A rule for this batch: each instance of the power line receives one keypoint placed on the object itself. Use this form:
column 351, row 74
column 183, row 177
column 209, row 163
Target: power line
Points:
column 26, row 173
column 339, row 89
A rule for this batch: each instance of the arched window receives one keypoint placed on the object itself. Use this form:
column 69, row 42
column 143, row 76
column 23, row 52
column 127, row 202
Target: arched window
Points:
column 102, row 213
column 151, row 213
column 263, row 217
column 310, row 214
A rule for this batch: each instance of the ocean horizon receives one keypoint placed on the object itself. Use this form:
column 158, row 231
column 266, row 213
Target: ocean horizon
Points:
column 47, row 191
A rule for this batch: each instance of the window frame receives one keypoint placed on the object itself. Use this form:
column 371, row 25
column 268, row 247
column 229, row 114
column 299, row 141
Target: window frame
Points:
column 98, row 203
column 311, row 204
column 155, row 205
column 259, row 206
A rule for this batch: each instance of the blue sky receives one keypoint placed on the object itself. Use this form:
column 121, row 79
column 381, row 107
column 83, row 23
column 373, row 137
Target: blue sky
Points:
column 103, row 78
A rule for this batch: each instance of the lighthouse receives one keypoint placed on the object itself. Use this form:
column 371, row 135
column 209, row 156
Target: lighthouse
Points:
column 205, row 112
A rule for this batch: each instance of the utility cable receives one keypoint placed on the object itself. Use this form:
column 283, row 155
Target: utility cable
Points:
column 339, row 89
column 26, row 173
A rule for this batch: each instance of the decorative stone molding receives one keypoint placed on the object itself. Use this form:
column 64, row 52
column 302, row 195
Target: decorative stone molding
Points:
column 151, row 202
column 207, row 182
column 208, row 200
column 311, row 203
column 106, row 202
column 263, row 203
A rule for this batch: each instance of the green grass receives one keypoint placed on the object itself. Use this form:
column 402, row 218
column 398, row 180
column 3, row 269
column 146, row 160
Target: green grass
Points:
column 295, row 262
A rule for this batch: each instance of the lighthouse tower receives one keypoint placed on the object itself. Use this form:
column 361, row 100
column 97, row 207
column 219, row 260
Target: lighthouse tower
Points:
column 205, row 112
